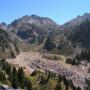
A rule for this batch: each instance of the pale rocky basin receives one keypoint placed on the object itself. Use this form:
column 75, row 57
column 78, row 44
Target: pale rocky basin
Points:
column 29, row 60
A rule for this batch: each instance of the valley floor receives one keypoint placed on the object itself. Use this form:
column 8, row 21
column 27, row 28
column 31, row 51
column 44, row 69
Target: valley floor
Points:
column 34, row 60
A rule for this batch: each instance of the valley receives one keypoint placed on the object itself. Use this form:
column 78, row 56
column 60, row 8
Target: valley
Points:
column 38, row 54
column 32, row 61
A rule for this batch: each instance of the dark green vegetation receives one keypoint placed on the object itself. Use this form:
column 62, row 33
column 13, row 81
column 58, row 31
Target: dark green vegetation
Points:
column 83, row 56
column 51, row 81
column 72, row 61
column 88, row 84
column 12, row 77
column 81, row 34
column 15, row 78
column 49, row 45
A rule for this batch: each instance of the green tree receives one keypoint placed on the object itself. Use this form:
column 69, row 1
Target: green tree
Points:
column 67, row 85
column 12, row 54
column 74, row 88
column 8, row 69
column 59, row 79
column 21, row 77
column 78, row 88
column 14, row 78
column 49, row 44
column 28, row 84
column 64, row 80
column 58, row 86
column 48, row 76
column 88, row 84
column 2, row 77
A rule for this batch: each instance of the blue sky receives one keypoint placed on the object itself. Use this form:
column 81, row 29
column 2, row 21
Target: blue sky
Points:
column 59, row 10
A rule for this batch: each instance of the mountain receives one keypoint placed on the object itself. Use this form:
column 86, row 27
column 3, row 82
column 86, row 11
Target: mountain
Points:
column 41, row 33
column 76, row 21
column 81, row 34
column 32, row 30
column 72, row 38
column 3, row 25
column 58, row 43
column 33, row 19
column 78, row 30
column 8, row 48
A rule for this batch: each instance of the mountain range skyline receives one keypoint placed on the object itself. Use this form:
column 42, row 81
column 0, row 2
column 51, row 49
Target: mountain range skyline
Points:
column 78, row 16
column 58, row 10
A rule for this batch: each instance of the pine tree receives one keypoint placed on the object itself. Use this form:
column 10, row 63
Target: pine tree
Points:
column 14, row 78
column 21, row 77
column 58, row 86
column 2, row 77
column 48, row 77
column 74, row 88
column 12, row 54
column 59, row 79
column 28, row 84
column 88, row 84
column 8, row 69
column 64, row 79
column 78, row 88
column 67, row 85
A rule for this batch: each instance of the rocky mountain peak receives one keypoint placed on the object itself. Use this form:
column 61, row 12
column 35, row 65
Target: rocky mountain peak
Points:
column 33, row 19
column 34, row 16
column 78, row 20
column 3, row 25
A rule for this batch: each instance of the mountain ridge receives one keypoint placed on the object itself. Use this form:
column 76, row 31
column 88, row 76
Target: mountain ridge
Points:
column 33, row 31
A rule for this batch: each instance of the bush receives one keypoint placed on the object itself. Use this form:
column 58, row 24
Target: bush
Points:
column 49, row 45
column 68, row 60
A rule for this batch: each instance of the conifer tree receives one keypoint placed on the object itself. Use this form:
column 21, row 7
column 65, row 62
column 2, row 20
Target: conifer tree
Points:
column 58, row 86
column 14, row 78
column 21, row 77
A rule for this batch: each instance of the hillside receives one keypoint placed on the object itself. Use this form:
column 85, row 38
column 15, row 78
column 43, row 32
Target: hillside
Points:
column 7, row 47
column 32, row 30
column 41, row 33
column 81, row 34
column 76, row 21
column 72, row 38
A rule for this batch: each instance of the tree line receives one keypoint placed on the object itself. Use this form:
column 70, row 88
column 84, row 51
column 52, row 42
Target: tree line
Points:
column 15, row 76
